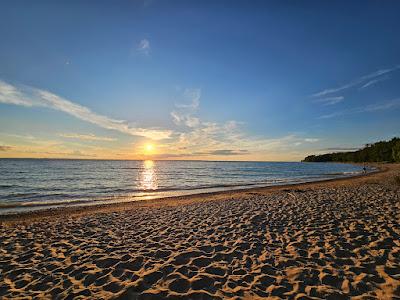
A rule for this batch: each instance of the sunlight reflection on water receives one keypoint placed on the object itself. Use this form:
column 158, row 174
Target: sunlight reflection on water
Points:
column 148, row 177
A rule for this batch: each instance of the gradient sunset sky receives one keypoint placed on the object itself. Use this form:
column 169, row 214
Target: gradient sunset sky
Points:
column 215, row 80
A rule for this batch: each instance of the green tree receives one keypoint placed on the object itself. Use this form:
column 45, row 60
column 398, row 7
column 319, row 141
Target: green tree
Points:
column 383, row 151
column 396, row 152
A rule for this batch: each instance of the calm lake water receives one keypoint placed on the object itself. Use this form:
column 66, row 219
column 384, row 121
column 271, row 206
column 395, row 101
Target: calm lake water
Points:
column 29, row 184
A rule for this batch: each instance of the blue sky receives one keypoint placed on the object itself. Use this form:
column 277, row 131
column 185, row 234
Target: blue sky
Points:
column 261, row 80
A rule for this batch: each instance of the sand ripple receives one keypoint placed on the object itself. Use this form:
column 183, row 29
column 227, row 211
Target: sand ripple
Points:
column 323, row 243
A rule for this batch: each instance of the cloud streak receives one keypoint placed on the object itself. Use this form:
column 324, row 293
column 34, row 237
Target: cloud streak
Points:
column 370, row 77
column 30, row 97
column 223, row 152
column 374, row 81
column 330, row 100
column 311, row 140
column 72, row 154
column 395, row 103
column 86, row 137
column 5, row 148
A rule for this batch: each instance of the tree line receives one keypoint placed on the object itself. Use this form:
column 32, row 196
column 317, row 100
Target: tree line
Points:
column 383, row 151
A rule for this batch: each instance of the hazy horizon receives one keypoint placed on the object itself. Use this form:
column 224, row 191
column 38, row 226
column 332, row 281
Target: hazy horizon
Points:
column 186, row 80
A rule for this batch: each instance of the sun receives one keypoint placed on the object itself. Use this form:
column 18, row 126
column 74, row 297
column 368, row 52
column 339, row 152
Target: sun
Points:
column 149, row 148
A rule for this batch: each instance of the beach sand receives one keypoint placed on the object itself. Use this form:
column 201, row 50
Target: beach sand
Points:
column 330, row 240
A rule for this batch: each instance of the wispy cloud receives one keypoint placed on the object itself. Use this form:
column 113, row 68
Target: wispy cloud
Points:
column 223, row 152
column 86, row 137
column 192, row 97
column 71, row 154
column 200, row 138
column 395, row 103
column 330, row 100
column 182, row 118
column 144, row 47
column 218, row 152
column 311, row 140
column 184, row 112
column 374, row 81
column 381, row 106
column 5, row 148
column 18, row 146
column 355, row 82
column 80, row 154
column 29, row 96
column 18, row 136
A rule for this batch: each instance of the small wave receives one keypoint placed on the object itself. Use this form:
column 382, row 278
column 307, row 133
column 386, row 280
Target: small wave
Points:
column 6, row 186
column 342, row 173
column 132, row 168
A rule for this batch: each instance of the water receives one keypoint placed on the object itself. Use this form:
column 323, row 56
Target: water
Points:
column 30, row 184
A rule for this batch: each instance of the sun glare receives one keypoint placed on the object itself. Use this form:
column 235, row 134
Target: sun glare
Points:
column 149, row 148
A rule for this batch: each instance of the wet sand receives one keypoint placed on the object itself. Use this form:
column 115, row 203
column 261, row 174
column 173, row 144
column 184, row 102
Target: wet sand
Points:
column 332, row 240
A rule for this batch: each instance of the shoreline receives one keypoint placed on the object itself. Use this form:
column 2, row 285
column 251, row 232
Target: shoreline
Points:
column 26, row 216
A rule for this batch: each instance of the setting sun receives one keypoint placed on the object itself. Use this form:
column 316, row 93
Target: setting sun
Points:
column 149, row 148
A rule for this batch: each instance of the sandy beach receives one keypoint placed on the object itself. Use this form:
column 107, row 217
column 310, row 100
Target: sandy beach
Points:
column 330, row 240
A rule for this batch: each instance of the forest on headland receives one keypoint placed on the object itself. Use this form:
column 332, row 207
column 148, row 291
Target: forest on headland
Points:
column 383, row 151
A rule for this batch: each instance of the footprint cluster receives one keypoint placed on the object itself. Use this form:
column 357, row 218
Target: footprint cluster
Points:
column 323, row 243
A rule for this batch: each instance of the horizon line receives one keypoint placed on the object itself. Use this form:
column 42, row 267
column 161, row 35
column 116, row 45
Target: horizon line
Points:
column 116, row 159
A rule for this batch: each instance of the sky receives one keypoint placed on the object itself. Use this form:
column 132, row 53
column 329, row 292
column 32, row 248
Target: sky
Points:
column 212, row 80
